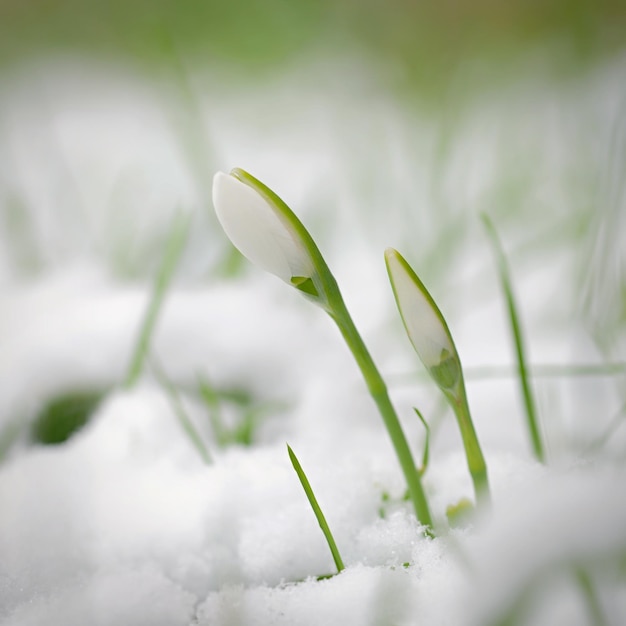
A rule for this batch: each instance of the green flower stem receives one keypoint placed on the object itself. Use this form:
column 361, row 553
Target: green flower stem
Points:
column 473, row 452
column 378, row 390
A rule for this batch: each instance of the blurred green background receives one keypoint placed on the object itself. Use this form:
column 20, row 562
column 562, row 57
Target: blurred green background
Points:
column 424, row 41
column 381, row 123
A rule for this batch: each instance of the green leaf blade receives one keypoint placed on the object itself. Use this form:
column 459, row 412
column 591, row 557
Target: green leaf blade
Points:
column 321, row 520
column 518, row 340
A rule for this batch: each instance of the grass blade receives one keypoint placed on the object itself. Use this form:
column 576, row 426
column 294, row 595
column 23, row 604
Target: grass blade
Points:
column 426, row 454
column 590, row 595
column 316, row 509
column 211, row 399
column 181, row 414
column 173, row 249
column 516, row 331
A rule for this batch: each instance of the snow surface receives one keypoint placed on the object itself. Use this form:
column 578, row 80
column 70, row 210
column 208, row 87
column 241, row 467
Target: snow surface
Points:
column 124, row 524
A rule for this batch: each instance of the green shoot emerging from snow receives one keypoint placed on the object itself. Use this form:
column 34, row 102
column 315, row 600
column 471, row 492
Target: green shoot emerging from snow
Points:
column 267, row 232
column 321, row 520
column 426, row 454
column 173, row 250
column 516, row 332
column 179, row 411
column 431, row 338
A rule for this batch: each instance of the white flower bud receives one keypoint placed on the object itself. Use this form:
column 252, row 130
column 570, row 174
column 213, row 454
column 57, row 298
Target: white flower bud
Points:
column 423, row 322
column 259, row 228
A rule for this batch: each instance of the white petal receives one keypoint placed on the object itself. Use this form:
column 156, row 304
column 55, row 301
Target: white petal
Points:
column 255, row 228
column 424, row 327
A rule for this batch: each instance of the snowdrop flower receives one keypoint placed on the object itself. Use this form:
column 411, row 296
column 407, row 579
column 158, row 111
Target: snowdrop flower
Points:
column 433, row 343
column 265, row 230
column 424, row 323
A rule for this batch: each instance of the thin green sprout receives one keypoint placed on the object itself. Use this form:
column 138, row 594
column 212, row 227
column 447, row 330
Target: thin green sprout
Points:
column 432, row 340
column 211, row 400
column 458, row 512
column 516, row 331
column 173, row 250
column 179, row 410
column 250, row 413
column 590, row 596
column 321, row 287
column 546, row 370
column 426, row 454
column 321, row 520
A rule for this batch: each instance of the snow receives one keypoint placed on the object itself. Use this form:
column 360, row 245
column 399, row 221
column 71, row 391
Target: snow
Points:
column 124, row 524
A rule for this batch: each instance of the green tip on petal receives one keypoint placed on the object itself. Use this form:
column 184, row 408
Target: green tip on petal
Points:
column 423, row 322
column 446, row 373
column 305, row 285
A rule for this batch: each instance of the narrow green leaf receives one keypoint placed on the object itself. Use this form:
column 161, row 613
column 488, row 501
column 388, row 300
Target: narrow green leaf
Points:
column 321, row 520
column 518, row 340
column 179, row 411
column 591, row 597
column 211, row 399
column 458, row 513
column 426, row 455
column 173, row 249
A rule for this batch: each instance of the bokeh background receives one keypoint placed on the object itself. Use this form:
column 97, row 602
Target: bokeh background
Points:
column 382, row 124
column 425, row 42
